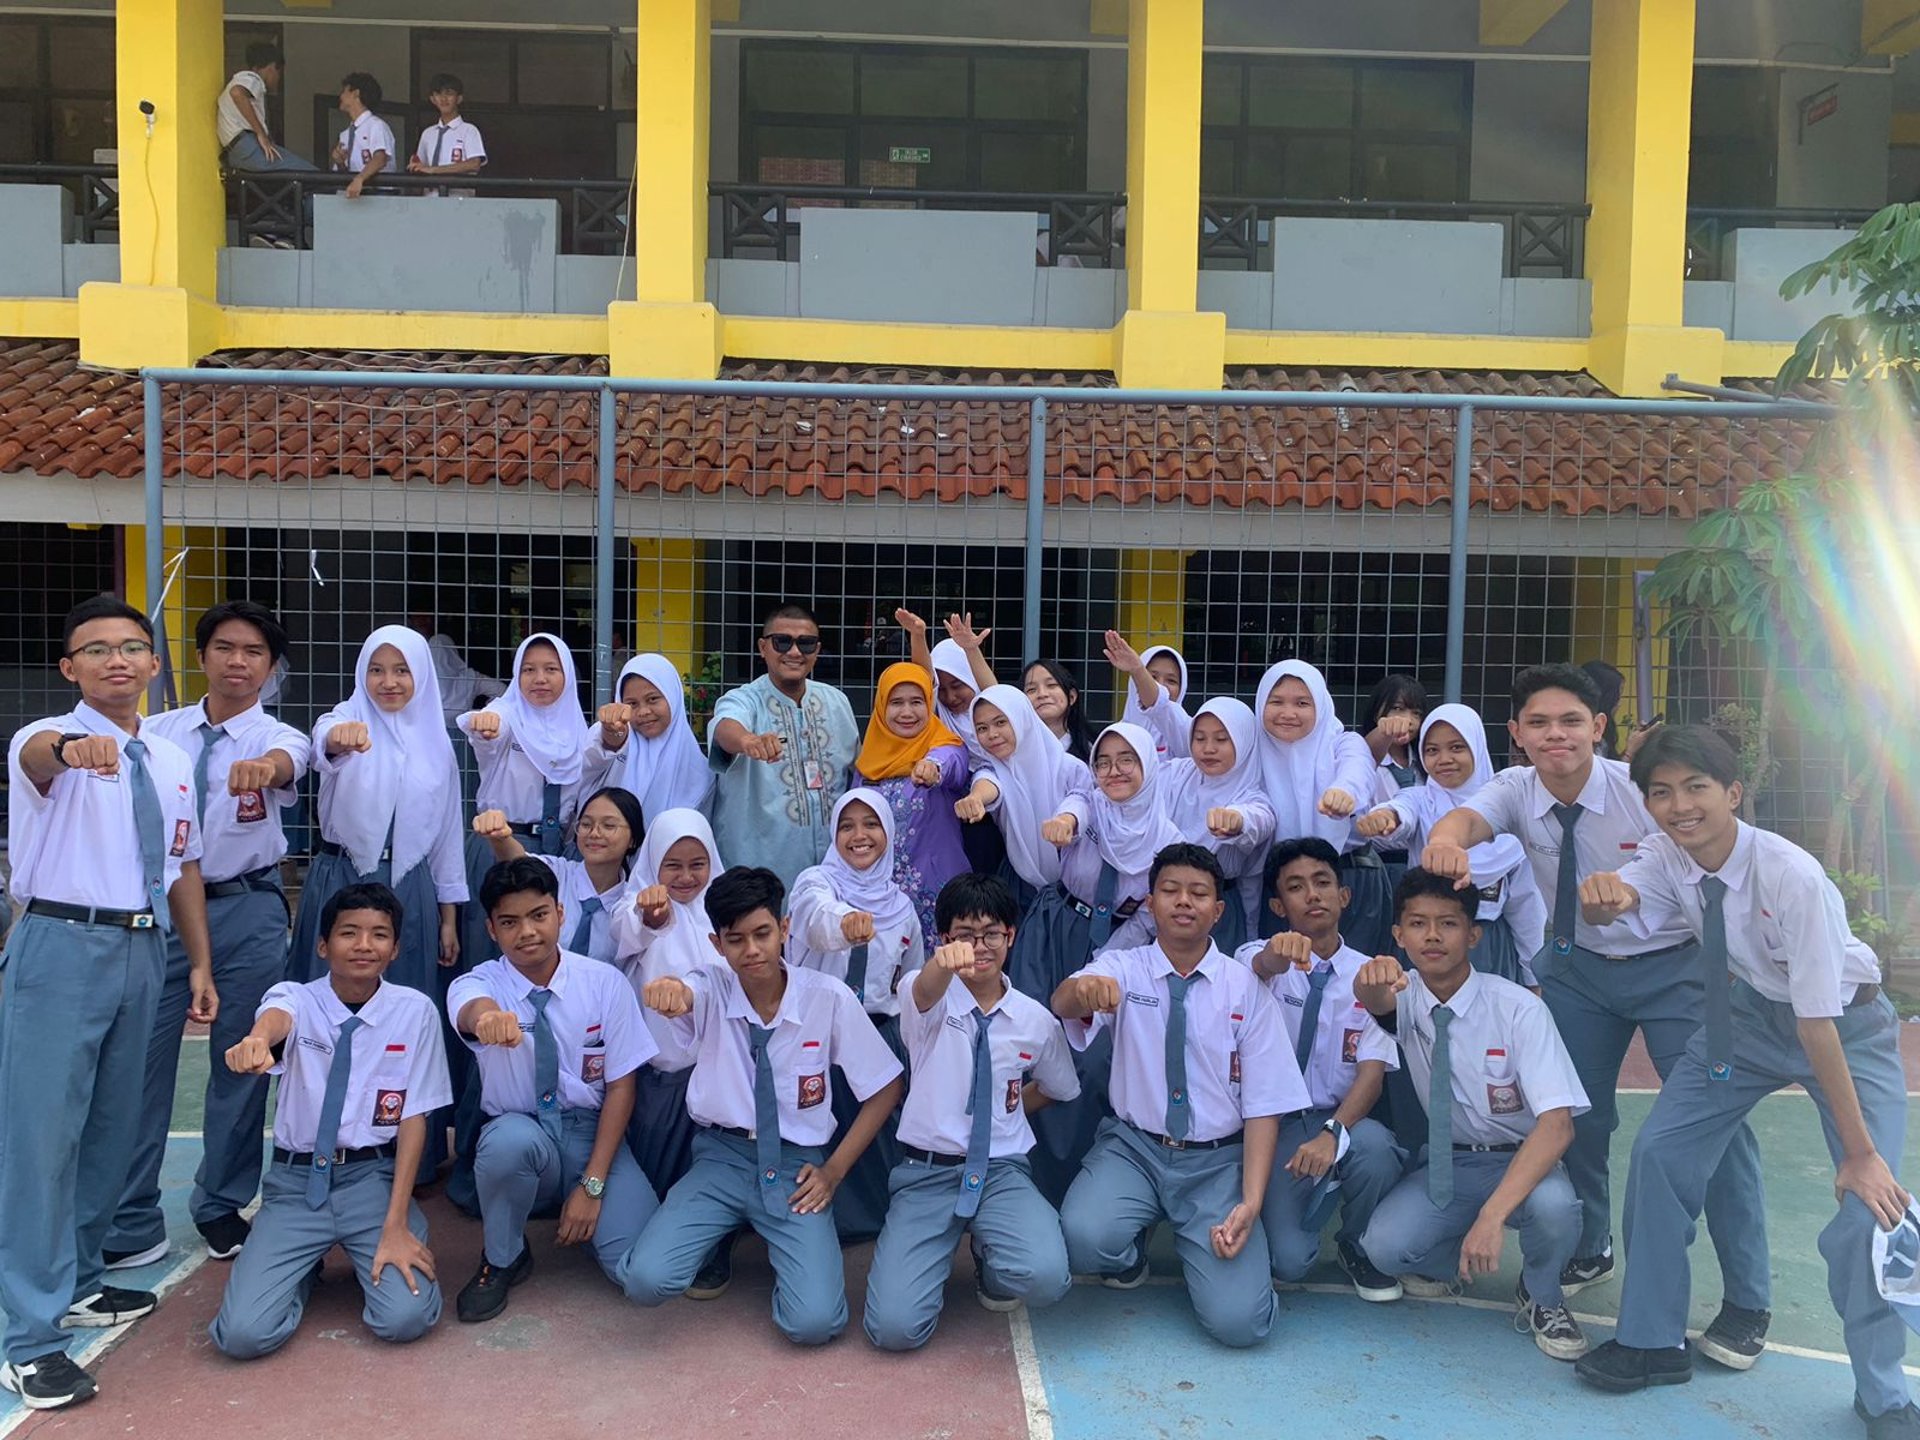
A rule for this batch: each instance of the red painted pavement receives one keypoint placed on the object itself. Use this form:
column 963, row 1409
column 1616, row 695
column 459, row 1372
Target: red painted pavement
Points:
column 569, row 1356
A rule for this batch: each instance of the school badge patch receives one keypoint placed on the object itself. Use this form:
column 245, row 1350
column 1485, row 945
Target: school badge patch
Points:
column 1349, row 1047
column 593, row 1066
column 250, row 808
column 181, row 830
column 388, row 1106
column 1013, row 1094
column 813, row 1090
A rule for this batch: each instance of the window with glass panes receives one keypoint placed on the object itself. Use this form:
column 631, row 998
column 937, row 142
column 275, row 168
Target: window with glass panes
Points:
column 925, row 117
column 544, row 100
column 1735, row 138
column 1311, row 128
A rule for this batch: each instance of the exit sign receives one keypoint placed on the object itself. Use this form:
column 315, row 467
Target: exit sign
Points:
column 910, row 155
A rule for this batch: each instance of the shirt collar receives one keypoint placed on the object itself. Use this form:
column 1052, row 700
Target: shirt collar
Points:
column 1461, row 1002
column 741, row 1008
column 1209, row 965
column 1739, row 866
column 518, row 984
column 237, row 723
column 960, row 1000
column 335, row 1009
column 92, row 721
column 1592, row 796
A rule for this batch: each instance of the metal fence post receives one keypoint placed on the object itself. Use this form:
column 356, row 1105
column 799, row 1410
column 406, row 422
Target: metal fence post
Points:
column 1457, row 553
column 1036, row 529
column 603, row 556
column 154, row 561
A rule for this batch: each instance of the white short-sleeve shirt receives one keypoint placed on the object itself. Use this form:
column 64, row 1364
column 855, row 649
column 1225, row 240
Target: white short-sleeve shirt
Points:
column 596, row 1025
column 77, row 843
column 228, row 120
column 1025, row 1042
column 816, row 942
column 1787, row 930
column 450, row 144
column 1509, row 1064
column 1344, row 1034
column 819, row 1025
column 576, row 888
column 365, row 138
column 1239, row 1063
column 242, row 832
column 399, row 1063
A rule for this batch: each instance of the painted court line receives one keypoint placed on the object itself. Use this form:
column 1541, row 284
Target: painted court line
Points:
column 1033, row 1387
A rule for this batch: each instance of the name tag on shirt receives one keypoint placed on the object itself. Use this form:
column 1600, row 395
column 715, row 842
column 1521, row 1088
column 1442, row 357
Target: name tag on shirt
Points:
column 816, row 777
column 1138, row 999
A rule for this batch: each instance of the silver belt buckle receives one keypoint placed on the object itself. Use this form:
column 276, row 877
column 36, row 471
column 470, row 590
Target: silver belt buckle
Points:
column 143, row 922
column 1170, row 1143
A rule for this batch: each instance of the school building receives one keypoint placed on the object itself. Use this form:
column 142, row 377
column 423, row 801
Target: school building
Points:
column 1482, row 198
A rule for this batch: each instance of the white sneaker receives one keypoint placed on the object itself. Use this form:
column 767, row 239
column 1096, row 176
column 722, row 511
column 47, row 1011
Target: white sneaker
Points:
column 1422, row 1287
column 134, row 1259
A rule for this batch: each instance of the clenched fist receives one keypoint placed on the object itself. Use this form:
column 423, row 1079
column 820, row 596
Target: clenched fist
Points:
column 250, row 775
column 349, row 737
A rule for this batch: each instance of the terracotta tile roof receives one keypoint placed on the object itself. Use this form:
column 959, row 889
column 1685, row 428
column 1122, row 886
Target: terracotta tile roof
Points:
column 58, row 418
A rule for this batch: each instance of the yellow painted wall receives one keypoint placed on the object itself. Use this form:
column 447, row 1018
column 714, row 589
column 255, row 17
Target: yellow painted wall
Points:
column 1153, row 597
column 1603, row 624
column 1163, row 154
column 667, row 603
column 200, row 584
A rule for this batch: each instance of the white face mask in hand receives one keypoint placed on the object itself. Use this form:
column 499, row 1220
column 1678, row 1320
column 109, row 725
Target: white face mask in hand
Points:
column 1896, row 1266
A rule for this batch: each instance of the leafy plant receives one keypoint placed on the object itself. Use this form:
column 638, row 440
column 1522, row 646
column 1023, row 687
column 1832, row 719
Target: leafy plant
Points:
column 1859, row 889
column 704, row 688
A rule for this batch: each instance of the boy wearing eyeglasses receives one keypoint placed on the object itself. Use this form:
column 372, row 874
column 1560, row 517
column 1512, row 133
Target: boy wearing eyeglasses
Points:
column 105, row 848
column 984, row 1057
column 782, row 748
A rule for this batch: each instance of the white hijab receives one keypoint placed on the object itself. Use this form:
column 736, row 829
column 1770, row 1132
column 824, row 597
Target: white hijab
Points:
column 950, row 659
column 407, row 779
column 1131, row 711
column 669, row 773
column 1430, row 800
column 1191, row 792
column 873, row 889
column 1296, row 774
column 684, row 944
column 1034, row 783
column 1131, row 832
column 552, row 737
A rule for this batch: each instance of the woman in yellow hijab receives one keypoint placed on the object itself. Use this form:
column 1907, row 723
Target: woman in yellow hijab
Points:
column 920, row 766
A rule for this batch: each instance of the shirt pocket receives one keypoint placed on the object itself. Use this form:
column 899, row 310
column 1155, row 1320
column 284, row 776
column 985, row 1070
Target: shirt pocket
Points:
column 1503, row 1096
column 388, row 1105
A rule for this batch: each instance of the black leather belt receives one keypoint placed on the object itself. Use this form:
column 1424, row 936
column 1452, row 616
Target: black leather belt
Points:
column 1167, row 1142
column 738, row 1132
column 1365, row 858
column 339, row 1157
column 931, row 1157
column 1664, row 951
column 92, row 915
column 327, row 847
column 1505, row 1148
column 261, row 879
column 1395, row 857
column 528, row 829
column 1119, row 912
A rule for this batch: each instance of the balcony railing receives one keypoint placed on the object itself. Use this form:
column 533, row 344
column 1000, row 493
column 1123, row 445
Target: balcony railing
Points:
column 274, row 206
column 1707, row 231
column 1070, row 229
column 94, row 188
column 1542, row 241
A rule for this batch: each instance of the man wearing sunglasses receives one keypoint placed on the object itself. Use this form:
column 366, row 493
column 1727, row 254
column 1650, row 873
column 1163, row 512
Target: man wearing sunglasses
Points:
column 783, row 747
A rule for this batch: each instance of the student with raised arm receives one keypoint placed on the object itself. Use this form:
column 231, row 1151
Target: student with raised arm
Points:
column 1215, row 799
column 1202, row 1073
column 642, row 742
column 1156, row 692
column 955, row 685
column 919, row 766
column 1580, row 815
column 1797, row 1001
column 1500, row 1095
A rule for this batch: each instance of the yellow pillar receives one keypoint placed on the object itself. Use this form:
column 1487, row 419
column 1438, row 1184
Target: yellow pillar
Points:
column 669, row 330
column 1153, row 597
column 666, row 607
column 200, row 584
column 172, row 214
column 1163, row 342
column 1639, row 118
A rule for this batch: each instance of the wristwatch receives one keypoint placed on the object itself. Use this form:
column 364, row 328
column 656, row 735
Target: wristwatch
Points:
column 1334, row 1128
column 60, row 747
column 593, row 1185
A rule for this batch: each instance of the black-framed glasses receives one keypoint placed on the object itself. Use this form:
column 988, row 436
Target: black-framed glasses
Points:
column 100, row 650
column 985, row 940
column 805, row 644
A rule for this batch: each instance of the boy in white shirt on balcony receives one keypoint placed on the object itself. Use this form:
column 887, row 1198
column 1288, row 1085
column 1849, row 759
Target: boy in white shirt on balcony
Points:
column 366, row 146
column 452, row 146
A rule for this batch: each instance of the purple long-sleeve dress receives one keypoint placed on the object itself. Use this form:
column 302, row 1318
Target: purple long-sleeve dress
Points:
column 926, row 850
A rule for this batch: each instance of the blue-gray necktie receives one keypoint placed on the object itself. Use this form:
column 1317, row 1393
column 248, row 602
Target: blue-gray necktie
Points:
column 766, row 1121
column 1713, row 965
column 1310, row 1016
column 1104, row 892
column 973, row 1179
column 1179, row 1116
column 209, row 736
column 857, row 970
column 583, row 932
column 1566, row 890
column 151, row 827
column 439, row 139
column 553, row 839
column 546, row 1066
column 1440, row 1112
column 326, row 1136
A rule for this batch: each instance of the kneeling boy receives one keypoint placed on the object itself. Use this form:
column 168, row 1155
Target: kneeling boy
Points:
column 361, row 1067
column 964, row 1135
column 557, row 1038
column 1334, row 1153
column 763, row 1035
column 1500, row 1093
column 1792, row 998
column 1202, row 1073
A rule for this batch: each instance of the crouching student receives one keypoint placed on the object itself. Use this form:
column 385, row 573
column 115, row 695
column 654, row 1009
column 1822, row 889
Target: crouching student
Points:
column 1330, row 1153
column 557, row 1038
column 763, row 1035
column 1201, row 1075
column 361, row 1067
column 1500, row 1094
column 1799, row 1002
column 964, row 1135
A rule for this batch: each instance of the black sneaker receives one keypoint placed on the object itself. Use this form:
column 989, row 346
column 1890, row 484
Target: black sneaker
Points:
column 485, row 1296
column 134, row 1259
column 1901, row 1424
column 1556, row 1332
column 716, row 1273
column 1736, row 1337
column 1583, row 1272
column 1135, row 1275
column 1622, row 1368
column 1370, row 1282
column 48, row 1382
column 108, row 1307
column 224, row 1236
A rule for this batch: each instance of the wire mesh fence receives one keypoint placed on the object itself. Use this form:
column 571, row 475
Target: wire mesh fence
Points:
column 1278, row 519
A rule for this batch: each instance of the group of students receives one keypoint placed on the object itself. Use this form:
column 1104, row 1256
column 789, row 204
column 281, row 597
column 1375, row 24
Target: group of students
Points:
column 1230, row 970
